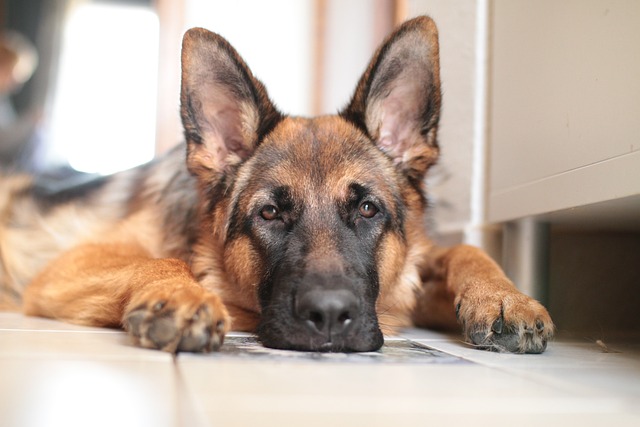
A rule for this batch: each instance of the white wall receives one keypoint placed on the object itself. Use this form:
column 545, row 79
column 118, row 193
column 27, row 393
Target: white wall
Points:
column 275, row 39
column 349, row 44
column 457, row 184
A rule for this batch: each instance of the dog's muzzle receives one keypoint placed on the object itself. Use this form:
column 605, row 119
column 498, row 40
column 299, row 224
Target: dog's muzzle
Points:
column 321, row 312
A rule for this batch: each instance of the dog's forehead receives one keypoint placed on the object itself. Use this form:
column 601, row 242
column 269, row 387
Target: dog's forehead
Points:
column 326, row 151
column 324, row 132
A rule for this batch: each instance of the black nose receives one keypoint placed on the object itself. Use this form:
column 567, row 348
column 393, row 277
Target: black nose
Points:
column 330, row 312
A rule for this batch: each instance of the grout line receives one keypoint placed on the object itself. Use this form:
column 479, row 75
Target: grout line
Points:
column 188, row 410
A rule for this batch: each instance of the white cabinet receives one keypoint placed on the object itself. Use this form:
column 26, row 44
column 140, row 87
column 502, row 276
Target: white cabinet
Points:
column 564, row 111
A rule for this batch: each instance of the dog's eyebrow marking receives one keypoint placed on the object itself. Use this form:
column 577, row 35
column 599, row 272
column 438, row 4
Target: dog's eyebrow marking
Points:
column 282, row 196
column 359, row 191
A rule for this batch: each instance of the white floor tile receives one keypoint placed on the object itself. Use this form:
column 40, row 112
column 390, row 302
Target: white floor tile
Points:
column 39, row 392
column 56, row 374
column 335, row 393
column 582, row 369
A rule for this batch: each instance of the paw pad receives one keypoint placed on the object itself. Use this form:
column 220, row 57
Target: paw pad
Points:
column 519, row 324
column 174, row 325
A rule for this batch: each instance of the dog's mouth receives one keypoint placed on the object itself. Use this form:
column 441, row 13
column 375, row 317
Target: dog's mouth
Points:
column 322, row 321
column 304, row 341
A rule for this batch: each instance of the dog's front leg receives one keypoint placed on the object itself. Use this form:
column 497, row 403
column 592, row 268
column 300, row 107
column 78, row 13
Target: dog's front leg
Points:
column 157, row 301
column 493, row 313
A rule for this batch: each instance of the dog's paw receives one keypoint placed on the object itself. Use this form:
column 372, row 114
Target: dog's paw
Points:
column 505, row 321
column 187, row 319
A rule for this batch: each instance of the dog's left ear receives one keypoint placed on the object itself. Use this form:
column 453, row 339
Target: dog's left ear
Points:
column 397, row 100
column 225, row 110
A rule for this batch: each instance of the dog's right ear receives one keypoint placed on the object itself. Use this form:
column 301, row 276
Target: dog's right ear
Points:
column 225, row 110
column 397, row 100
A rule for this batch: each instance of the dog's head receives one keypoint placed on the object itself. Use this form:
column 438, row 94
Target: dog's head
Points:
column 311, row 221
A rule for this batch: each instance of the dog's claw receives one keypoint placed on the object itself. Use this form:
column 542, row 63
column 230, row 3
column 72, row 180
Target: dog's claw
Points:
column 497, row 325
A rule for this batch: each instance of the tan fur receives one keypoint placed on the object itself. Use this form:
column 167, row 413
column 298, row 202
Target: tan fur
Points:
column 30, row 240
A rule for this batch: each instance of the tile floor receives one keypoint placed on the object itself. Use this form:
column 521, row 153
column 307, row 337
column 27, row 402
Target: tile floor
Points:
column 55, row 374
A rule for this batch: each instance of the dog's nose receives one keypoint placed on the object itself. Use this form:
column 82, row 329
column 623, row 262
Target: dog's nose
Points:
column 330, row 312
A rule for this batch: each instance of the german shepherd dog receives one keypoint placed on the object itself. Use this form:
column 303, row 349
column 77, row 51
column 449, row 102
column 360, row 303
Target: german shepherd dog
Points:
column 308, row 232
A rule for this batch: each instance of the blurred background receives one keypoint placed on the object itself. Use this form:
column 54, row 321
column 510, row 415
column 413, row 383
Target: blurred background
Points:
column 540, row 128
column 101, row 90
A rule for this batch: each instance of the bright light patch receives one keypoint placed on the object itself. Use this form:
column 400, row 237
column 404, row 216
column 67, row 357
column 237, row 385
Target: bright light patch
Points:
column 104, row 116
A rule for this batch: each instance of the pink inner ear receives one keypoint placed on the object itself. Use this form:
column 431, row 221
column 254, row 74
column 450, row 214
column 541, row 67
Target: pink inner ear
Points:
column 224, row 136
column 399, row 126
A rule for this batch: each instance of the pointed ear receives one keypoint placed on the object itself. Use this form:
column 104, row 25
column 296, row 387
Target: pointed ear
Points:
column 397, row 101
column 225, row 110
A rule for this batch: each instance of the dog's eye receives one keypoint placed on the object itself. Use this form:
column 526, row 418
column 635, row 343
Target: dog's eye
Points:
column 269, row 213
column 368, row 210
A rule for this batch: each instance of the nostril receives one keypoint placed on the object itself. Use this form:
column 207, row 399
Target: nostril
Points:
column 317, row 319
column 344, row 318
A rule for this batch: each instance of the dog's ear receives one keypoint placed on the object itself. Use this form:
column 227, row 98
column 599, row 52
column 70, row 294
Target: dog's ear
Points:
column 225, row 110
column 397, row 100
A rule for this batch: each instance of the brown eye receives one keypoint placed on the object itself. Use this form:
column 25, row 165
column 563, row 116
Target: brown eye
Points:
column 368, row 210
column 269, row 213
